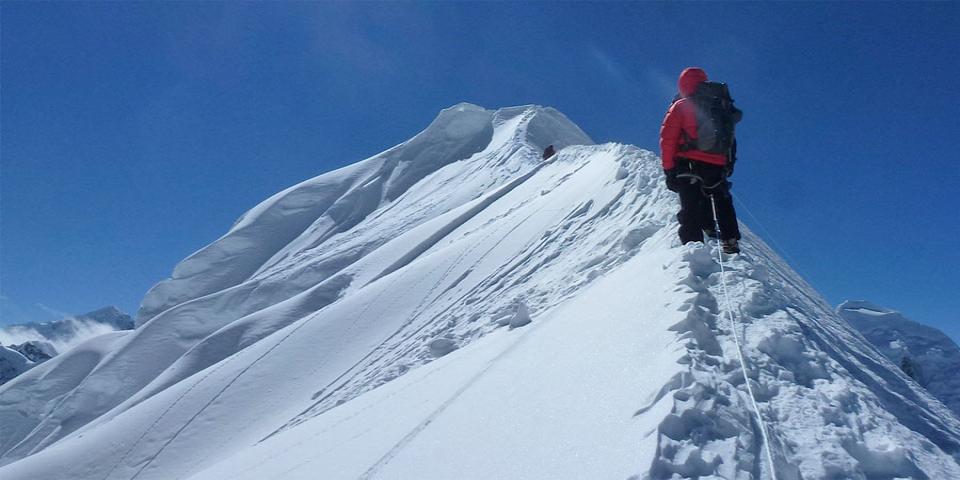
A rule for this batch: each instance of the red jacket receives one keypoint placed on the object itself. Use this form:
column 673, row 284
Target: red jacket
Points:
column 682, row 116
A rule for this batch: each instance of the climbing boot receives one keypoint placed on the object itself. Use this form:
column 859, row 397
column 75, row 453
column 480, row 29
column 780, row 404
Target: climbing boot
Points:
column 730, row 245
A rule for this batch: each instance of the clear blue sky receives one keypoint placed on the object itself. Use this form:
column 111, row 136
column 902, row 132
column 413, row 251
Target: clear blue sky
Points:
column 135, row 133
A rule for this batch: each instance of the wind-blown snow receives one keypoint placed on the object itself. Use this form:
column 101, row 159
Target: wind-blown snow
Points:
column 456, row 307
column 66, row 333
column 24, row 346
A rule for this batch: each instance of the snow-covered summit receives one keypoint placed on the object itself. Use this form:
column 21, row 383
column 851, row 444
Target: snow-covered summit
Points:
column 316, row 211
column 925, row 353
column 457, row 307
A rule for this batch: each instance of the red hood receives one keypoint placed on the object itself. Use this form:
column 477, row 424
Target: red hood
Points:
column 690, row 79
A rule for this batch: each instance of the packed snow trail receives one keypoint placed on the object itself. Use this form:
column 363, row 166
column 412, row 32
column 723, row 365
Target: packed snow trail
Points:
column 731, row 322
column 457, row 308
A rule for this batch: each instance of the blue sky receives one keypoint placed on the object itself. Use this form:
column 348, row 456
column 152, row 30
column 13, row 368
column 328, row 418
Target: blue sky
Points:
column 135, row 133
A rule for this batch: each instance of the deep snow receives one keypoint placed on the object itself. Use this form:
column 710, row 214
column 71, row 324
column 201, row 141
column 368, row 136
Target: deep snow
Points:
column 456, row 307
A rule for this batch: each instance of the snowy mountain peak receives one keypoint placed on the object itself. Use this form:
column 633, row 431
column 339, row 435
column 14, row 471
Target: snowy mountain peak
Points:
column 924, row 353
column 542, row 126
column 109, row 314
column 866, row 316
column 863, row 306
column 437, row 310
column 864, row 309
column 500, row 143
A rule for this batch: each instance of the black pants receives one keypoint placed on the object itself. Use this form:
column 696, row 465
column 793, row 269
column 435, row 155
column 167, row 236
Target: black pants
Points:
column 697, row 182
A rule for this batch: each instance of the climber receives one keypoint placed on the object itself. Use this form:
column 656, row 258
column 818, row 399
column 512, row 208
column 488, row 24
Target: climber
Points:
column 698, row 150
column 548, row 152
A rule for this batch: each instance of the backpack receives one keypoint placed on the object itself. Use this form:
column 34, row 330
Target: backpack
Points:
column 716, row 117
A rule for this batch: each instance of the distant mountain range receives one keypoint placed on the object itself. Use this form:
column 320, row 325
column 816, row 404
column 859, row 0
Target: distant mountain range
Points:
column 23, row 346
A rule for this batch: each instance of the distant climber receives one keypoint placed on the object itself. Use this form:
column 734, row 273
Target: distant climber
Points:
column 699, row 149
column 548, row 152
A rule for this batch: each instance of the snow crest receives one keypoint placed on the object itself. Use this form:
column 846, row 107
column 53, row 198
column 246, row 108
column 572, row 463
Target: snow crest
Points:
column 831, row 408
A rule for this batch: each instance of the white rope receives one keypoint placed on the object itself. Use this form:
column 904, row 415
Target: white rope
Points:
column 736, row 340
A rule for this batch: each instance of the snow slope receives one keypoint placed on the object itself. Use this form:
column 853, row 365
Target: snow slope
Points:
column 28, row 399
column 933, row 356
column 457, row 308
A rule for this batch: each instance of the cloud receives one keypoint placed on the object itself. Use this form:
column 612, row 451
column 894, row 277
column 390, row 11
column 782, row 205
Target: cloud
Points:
column 609, row 64
column 662, row 83
column 656, row 80
column 12, row 313
column 349, row 43
column 52, row 311
column 68, row 332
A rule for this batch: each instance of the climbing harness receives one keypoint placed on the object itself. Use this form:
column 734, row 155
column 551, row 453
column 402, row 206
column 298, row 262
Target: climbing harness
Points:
column 706, row 189
column 736, row 340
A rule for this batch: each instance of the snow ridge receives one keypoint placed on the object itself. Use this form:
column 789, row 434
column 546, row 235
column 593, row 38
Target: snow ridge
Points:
column 811, row 376
column 455, row 307
column 402, row 350
column 301, row 250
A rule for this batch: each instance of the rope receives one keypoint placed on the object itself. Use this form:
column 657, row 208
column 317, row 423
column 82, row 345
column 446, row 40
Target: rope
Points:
column 736, row 340
column 769, row 237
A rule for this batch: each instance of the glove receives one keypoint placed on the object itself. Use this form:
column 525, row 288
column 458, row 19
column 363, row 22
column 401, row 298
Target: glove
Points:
column 673, row 184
